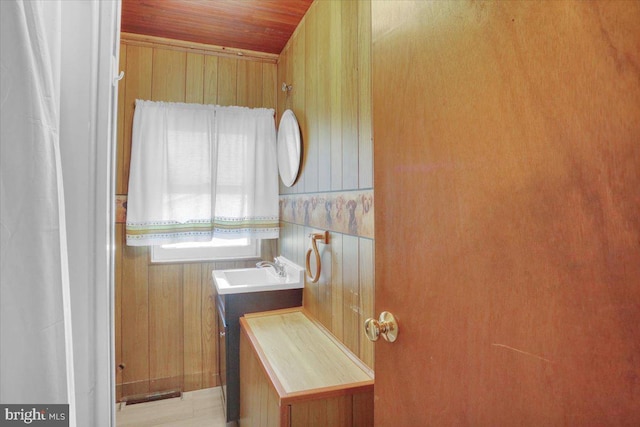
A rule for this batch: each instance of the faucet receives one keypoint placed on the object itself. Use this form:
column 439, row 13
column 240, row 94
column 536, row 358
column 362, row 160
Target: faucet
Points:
column 277, row 266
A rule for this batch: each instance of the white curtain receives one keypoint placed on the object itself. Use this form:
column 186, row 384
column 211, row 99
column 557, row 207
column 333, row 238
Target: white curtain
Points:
column 201, row 171
column 36, row 352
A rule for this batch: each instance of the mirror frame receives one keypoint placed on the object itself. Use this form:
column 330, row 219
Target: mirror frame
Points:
column 289, row 148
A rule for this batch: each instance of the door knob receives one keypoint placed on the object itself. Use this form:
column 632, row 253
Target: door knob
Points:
column 386, row 325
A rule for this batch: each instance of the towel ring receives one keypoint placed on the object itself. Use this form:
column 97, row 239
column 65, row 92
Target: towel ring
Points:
column 324, row 238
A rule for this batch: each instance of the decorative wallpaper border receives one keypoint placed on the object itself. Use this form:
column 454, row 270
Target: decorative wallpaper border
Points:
column 349, row 212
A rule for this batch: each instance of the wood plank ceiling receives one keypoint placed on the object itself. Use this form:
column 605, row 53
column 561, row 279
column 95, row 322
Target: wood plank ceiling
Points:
column 257, row 25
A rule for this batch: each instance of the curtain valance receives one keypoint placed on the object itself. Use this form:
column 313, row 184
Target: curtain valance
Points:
column 201, row 171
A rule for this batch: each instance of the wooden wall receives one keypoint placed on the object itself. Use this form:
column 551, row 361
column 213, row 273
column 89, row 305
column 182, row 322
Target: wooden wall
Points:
column 165, row 313
column 327, row 61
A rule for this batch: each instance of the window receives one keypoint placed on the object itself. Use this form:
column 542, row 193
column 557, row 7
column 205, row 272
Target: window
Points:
column 199, row 172
column 215, row 250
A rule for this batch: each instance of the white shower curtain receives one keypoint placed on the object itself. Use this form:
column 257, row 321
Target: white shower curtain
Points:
column 36, row 353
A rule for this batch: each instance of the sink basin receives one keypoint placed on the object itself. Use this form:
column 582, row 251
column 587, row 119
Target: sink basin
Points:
column 244, row 280
column 250, row 276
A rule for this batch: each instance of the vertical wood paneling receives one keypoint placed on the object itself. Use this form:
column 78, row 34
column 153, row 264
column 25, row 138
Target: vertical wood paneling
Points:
column 311, row 102
column 170, row 309
column 249, row 84
column 165, row 327
column 288, row 96
column 336, row 287
column 284, row 247
column 120, row 144
column 166, row 330
column 244, row 74
column 210, row 79
column 269, row 86
column 351, row 293
column 227, row 81
column 137, row 81
column 301, row 243
column 209, row 337
column 349, row 92
column 335, row 73
column 284, row 100
column 135, row 319
column 281, row 71
column 323, row 94
column 289, row 67
column 118, row 257
column 194, row 84
column 192, row 321
column 328, row 62
column 365, row 125
column 169, row 75
column 366, row 268
column 297, row 95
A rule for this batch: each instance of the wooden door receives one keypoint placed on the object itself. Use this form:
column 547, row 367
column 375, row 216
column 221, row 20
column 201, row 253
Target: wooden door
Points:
column 507, row 185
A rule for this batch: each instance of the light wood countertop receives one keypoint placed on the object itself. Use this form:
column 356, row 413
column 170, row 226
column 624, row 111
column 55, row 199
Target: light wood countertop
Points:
column 301, row 357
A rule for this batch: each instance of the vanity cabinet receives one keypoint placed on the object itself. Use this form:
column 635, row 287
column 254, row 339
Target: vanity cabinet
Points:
column 230, row 308
column 295, row 373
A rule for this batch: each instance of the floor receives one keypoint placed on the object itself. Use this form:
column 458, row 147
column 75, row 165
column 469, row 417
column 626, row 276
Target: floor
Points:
column 193, row 409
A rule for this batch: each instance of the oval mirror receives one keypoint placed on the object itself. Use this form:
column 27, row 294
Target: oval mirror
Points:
column 289, row 148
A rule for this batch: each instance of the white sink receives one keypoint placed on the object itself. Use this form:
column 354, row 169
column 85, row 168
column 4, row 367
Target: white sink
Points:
column 244, row 280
